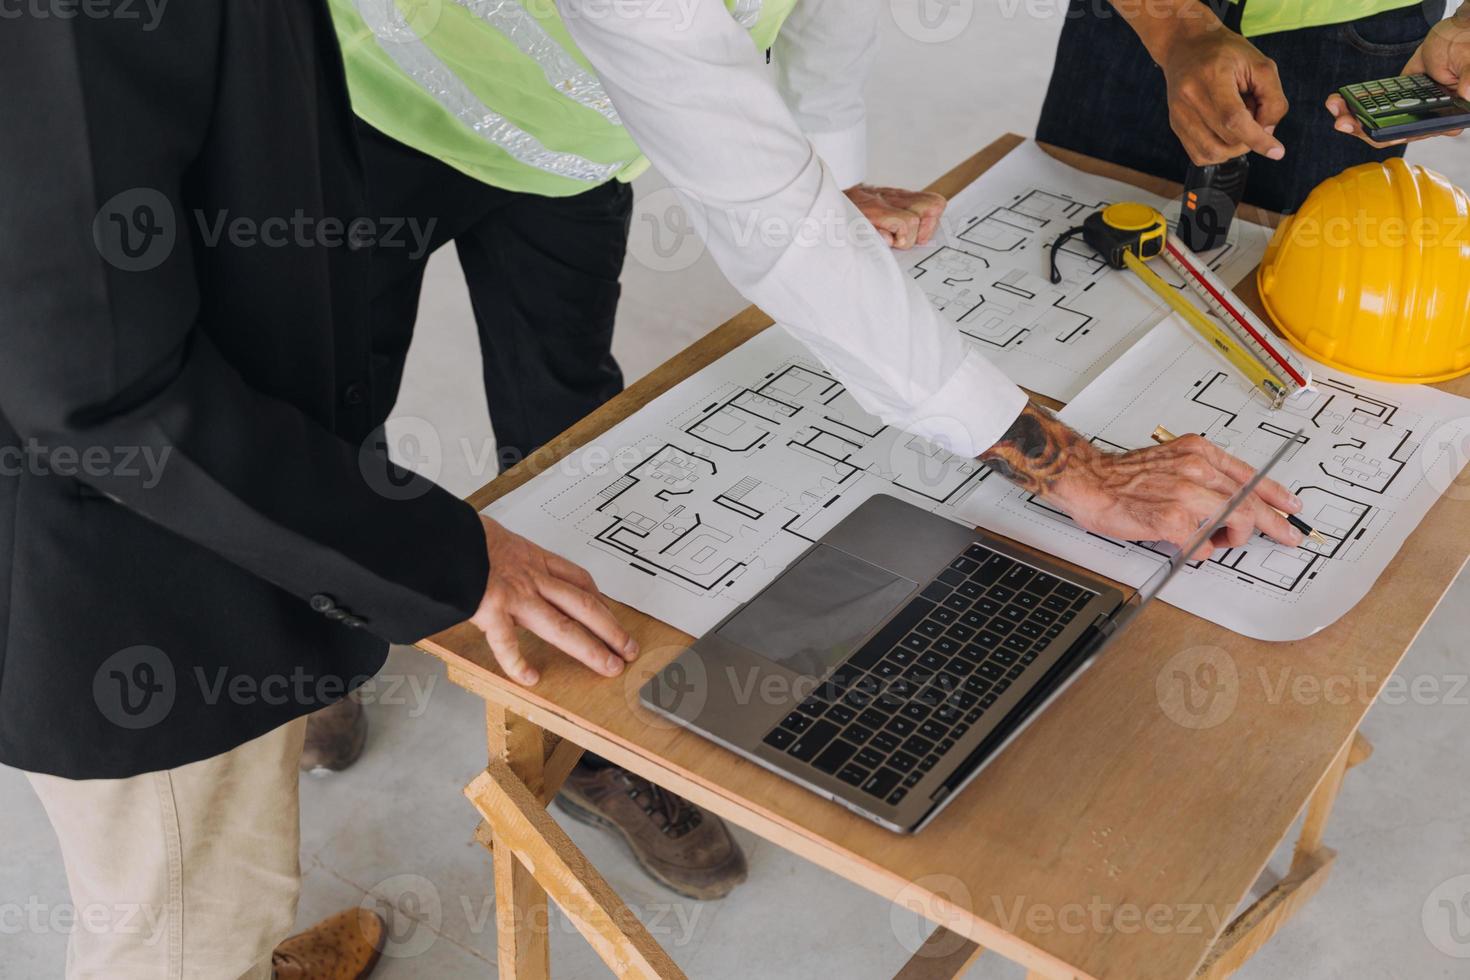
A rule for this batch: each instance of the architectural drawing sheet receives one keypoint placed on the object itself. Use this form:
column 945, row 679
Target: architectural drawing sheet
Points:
column 695, row 503
column 987, row 271
column 698, row 501
column 1371, row 460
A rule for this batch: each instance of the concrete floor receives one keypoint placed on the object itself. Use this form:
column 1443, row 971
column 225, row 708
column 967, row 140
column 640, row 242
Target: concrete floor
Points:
column 397, row 828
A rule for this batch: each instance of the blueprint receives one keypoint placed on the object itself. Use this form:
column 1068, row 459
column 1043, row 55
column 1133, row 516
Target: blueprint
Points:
column 699, row 500
column 987, row 271
column 1370, row 462
column 695, row 503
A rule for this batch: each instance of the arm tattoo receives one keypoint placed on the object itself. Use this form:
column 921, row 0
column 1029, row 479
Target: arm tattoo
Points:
column 1034, row 450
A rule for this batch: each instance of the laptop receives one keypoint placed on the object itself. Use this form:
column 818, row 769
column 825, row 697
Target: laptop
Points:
column 898, row 656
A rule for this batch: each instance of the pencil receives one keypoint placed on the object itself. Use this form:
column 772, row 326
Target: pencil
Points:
column 1162, row 435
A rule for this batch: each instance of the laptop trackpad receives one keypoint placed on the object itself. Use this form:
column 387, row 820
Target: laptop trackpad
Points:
column 814, row 615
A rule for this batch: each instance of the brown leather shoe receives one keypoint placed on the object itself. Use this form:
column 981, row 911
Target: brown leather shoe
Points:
column 676, row 842
column 345, row 946
column 335, row 736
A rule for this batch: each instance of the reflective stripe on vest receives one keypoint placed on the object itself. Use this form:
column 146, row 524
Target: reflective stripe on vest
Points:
column 1273, row 16
column 497, row 89
column 561, row 69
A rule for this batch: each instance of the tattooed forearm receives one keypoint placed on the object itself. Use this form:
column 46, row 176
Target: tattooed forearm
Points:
column 1035, row 450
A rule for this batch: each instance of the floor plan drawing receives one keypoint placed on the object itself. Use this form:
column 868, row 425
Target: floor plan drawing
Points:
column 1361, row 459
column 988, row 272
column 701, row 499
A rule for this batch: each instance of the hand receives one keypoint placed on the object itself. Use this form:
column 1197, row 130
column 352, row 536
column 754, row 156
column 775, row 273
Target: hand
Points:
column 1444, row 56
column 1225, row 96
column 551, row 597
column 1162, row 493
column 903, row 218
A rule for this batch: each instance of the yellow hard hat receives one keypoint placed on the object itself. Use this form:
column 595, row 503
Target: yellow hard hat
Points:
column 1372, row 275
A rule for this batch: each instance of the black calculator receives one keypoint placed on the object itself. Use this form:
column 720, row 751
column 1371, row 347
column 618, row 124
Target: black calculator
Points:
column 1411, row 105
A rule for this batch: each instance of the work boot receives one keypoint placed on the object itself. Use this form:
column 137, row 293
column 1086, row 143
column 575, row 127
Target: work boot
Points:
column 343, row 947
column 335, row 736
column 676, row 842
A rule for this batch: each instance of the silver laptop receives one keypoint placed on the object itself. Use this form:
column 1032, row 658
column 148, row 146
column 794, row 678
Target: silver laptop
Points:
column 893, row 661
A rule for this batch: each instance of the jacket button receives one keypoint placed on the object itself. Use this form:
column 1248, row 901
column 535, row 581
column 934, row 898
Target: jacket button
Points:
column 354, row 622
column 354, row 394
column 321, row 602
column 336, row 614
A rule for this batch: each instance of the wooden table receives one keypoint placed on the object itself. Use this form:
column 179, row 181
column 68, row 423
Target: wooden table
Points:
column 1116, row 839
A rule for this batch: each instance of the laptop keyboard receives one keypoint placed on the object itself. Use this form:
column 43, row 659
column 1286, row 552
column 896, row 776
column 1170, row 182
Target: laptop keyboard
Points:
column 891, row 711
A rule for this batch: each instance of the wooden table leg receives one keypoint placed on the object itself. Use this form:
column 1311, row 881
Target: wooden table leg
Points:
column 943, row 956
column 1310, row 864
column 538, row 842
column 1319, row 811
column 522, row 917
column 1361, row 751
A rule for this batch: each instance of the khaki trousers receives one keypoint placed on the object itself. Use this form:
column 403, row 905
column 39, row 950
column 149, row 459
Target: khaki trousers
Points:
column 185, row 874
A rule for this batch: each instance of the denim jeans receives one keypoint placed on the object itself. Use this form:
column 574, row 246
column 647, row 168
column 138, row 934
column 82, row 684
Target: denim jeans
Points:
column 1108, row 99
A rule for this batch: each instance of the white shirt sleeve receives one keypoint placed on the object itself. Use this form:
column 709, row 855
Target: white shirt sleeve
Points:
column 698, row 98
column 823, row 57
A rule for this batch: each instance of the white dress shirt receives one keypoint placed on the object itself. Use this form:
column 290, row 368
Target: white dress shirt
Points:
column 823, row 57
column 702, row 103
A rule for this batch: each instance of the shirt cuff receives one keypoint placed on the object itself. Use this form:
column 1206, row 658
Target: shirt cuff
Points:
column 972, row 411
column 845, row 152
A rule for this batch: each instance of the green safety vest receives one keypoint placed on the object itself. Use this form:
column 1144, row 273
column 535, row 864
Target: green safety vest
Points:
column 1272, row 16
column 497, row 89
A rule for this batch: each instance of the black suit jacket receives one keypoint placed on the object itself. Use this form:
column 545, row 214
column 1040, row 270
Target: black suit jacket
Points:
column 200, row 539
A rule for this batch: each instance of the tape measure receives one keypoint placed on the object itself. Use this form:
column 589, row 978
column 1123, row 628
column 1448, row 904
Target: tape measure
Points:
column 1128, row 234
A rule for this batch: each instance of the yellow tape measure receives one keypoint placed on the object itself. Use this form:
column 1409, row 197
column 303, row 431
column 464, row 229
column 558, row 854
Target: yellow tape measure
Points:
column 1128, row 234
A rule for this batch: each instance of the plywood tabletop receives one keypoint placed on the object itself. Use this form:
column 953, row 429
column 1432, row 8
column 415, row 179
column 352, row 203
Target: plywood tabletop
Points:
column 1118, row 836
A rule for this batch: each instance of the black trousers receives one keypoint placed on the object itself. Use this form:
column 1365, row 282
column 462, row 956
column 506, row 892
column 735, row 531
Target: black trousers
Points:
column 1107, row 98
column 542, row 274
